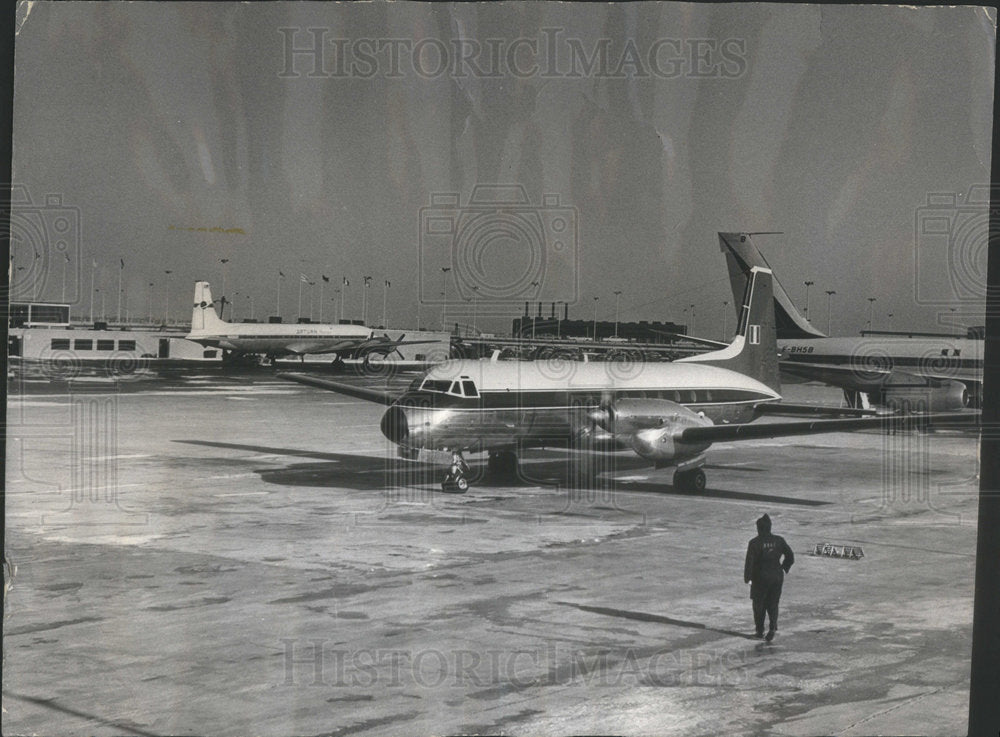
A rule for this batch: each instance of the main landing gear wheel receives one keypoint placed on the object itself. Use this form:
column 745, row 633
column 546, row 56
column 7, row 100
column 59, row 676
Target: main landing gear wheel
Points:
column 455, row 481
column 693, row 480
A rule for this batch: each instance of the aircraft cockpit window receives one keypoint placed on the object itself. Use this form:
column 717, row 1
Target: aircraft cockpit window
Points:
column 469, row 387
column 436, row 385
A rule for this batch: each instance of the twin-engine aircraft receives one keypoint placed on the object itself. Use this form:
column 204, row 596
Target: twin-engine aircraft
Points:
column 272, row 340
column 667, row 413
column 944, row 372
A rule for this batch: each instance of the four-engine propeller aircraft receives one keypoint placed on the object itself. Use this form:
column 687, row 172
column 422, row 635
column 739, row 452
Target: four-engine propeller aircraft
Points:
column 667, row 413
column 943, row 372
column 272, row 340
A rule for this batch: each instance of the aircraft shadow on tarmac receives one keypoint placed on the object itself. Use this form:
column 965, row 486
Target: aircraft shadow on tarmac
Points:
column 540, row 468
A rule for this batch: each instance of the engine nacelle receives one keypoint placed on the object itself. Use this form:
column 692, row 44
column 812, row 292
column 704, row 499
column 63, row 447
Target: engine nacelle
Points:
column 943, row 396
column 649, row 425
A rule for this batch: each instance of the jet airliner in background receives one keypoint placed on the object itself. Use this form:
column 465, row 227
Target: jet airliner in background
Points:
column 942, row 372
column 667, row 413
column 277, row 339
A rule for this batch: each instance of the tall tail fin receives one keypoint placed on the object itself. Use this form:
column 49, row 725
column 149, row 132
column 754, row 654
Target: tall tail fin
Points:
column 754, row 350
column 741, row 256
column 203, row 317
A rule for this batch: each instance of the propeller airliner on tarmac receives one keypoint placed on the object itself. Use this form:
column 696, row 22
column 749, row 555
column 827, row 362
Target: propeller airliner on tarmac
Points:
column 277, row 339
column 944, row 372
column 667, row 413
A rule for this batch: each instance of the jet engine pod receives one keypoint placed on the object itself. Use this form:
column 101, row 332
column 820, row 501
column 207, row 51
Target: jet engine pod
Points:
column 936, row 396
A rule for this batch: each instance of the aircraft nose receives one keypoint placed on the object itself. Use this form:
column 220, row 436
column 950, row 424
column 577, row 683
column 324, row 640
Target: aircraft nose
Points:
column 394, row 425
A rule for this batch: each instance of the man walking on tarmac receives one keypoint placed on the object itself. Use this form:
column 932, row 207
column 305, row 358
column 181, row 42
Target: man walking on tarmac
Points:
column 765, row 571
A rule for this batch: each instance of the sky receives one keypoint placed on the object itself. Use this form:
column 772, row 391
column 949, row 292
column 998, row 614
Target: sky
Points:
column 540, row 151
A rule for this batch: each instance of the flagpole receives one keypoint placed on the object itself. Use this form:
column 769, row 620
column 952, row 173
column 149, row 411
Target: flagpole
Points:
column 300, row 298
column 321, row 298
column 93, row 265
column 65, row 260
column 278, row 307
column 342, row 293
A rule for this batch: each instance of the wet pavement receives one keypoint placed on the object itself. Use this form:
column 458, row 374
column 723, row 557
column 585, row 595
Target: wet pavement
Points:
column 240, row 555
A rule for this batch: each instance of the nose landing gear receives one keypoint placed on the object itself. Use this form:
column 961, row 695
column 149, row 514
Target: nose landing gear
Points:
column 455, row 481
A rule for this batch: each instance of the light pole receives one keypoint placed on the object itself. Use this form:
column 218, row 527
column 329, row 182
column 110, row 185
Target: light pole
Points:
column 385, row 292
column 871, row 313
column 559, row 319
column 890, row 322
column 93, row 266
column 692, row 319
column 364, row 299
column 475, row 306
column 224, row 261
column 149, row 300
column 65, row 261
column 166, row 298
column 595, row 318
column 618, row 298
column 444, row 297
column 808, row 284
column 250, row 299
column 829, row 294
column 534, row 315
column 336, row 319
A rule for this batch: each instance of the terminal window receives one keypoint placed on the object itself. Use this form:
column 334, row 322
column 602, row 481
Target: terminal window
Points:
column 83, row 345
column 126, row 345
column 60, row 344
column 105, row 345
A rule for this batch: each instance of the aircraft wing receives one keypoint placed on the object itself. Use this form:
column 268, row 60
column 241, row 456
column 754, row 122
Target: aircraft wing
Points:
column 318, row 346
column 692, row 339
column 853, row 377
column 787, row 408
column 350, row 390
column 746, row 431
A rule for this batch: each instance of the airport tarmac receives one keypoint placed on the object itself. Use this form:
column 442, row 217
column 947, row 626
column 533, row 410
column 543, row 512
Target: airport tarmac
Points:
column 245, row 556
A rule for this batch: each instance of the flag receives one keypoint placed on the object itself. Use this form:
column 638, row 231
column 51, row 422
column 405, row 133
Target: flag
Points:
column 168, row 271
column 303, row 278
column 123, row 263
column 326, row 279
column 445, row 269
column 281, row 273
column 368, row 281
column 223, row 260
column 346, row 283
column 387, row 283
column 66, row 256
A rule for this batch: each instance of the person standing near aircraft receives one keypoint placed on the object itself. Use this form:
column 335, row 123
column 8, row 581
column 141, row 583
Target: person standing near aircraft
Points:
column 765, row 571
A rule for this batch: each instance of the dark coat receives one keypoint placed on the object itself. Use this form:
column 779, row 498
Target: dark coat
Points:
column 768, row 560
